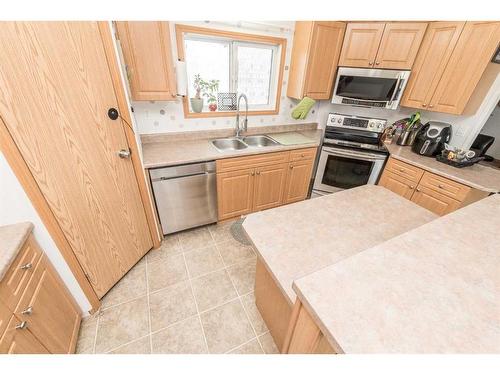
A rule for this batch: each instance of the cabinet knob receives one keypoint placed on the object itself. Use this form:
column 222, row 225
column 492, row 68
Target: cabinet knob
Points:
column 258, row 173
column 124, row 154
column 302, row 155
column 22, row 325
column 440, row 186
column 252, row 174
column 401, row 169
column 26, row 266
column 412, row 187
column 424, row 104
column 418, row 190
column 28, row 311
column 377, row 63
column 291, row 166
column 370, row 63
column 431, row 105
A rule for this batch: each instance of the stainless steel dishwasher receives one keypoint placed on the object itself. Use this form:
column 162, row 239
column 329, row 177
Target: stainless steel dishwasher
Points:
column 185, row 195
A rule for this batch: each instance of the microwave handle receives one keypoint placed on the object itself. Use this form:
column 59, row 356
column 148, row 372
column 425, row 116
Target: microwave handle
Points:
column 396, row 92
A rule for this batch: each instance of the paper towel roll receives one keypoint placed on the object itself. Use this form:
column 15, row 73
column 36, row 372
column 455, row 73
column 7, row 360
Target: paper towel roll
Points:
column 180, row 68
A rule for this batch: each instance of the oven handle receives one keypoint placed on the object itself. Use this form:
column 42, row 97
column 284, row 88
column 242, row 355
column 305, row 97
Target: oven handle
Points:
column 358, row 155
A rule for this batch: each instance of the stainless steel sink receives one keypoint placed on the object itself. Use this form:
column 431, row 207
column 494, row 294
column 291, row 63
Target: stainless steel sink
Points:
column 229, row 144
column 259, row 141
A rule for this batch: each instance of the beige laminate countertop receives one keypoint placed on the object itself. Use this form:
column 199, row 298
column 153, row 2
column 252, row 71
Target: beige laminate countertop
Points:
column 162, row 154
column 477, row 176
column 303, row 237
column 12, row 238
column 435, row 289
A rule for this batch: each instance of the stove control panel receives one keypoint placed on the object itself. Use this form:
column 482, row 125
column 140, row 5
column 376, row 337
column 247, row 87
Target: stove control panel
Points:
column 356, row 122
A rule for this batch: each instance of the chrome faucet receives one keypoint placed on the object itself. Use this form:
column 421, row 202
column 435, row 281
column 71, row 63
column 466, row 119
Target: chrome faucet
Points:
column 239, row 129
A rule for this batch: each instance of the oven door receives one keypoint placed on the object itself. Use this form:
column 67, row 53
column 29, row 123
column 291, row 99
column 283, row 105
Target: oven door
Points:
column 340, row 169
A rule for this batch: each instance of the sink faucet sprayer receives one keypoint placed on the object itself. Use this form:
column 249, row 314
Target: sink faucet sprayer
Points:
column 245, row 121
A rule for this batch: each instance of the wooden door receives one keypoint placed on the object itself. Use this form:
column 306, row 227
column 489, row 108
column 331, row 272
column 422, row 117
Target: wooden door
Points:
column 235, row 193
column 323, row 59
column 397, row 184
column 473, row 51
column 269, row 186
column 50, row 311
column 361, row 44
column 436, row 202
column 400, row 44
column 147, row 52
column 298, row 180
column 56, row 90
column 19, row 340
column 435, row 51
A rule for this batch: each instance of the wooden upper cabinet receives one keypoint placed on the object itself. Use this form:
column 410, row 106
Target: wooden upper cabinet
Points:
column 361, row 44
column 437, row 47
column 315, row 54
column 472, row 53
column 148, row 57
column 399, row 45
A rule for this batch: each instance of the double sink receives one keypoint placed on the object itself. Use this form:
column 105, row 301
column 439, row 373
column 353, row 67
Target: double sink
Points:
column 224, row 144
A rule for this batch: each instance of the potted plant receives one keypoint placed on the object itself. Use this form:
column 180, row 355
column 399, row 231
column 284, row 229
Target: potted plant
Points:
column 209, row 89
column 197, row 101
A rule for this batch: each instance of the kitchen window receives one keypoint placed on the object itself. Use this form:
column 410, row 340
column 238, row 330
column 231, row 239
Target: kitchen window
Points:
column 229, row 63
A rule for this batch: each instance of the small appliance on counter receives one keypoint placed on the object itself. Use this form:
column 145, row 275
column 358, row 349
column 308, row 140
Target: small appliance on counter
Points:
column 458, row 158
column 431, row 138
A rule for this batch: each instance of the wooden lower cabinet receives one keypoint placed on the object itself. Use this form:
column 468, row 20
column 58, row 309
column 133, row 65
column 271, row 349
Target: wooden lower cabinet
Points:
column 433, row 192
column 17, row 339
column 253, row 183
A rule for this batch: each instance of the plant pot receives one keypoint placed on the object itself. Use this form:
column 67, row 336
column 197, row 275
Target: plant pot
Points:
column 212, row 107
column 196, row 104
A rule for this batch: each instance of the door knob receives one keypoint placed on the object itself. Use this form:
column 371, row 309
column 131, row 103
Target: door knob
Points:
column 113, row 113
column 124, row 154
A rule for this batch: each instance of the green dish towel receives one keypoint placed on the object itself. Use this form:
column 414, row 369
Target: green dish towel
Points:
column 302, row 109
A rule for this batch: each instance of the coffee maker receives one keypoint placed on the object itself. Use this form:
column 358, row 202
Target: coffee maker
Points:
column 431, row 138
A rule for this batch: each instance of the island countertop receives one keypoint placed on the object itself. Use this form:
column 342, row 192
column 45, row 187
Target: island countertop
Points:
column 297, row 239
column 434, row 289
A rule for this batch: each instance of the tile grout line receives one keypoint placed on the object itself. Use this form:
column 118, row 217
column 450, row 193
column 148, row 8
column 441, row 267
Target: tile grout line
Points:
column 149, row 308
column 129, row 342
column 96, row 329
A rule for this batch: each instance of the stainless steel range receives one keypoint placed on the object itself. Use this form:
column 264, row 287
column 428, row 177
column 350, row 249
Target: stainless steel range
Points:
column 352, row 153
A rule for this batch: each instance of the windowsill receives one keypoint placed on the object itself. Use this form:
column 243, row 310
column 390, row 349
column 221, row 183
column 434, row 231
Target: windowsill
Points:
column 268, row 112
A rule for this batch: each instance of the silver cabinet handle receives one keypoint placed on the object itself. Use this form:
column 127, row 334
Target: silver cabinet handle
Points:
column 124, row 154
column 22, row 325
column 28, row 311
column 424, row 105
column 370, row 63
column 431, row 105
column 412, row 187
column 418, row 190
column 377, row 63
column 26, row 266
column 252, row 174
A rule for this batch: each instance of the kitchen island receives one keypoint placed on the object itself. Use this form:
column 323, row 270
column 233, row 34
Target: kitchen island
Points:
column 295, row 240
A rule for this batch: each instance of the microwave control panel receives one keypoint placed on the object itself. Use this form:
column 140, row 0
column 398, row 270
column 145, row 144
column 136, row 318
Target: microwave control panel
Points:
column 356, row 122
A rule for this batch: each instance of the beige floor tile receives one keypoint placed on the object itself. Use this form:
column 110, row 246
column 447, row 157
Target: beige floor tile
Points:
column 166, row 272
column 203, row 260
column 141, row 346
column 169, row 246
column 252, row 347
column 253, row 314
column 195, row 238
column 213, row 289
column 86, row 336
column 131, row 286
column 226, row 327
column 243, row 276
column 267, row 342
column 234, row 252
column 121, row 324
column 185, row 337
column 221, row 232
column 171, row 305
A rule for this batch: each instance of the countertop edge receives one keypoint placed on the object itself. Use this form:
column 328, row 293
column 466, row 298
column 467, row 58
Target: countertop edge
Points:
column 15, row 235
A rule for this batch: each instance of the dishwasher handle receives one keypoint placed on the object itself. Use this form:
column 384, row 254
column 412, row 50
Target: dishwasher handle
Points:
column 183, row 176
column 167, row 173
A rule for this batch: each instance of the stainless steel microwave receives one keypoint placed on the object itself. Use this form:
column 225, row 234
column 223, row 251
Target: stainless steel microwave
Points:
column 381, row 88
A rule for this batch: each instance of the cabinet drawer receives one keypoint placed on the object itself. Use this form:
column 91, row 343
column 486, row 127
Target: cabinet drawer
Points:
column 405, row 170
column 436, row 202
column 17, row 340
column 252, row 161
column 303, row 154
column 18, row 275
column 445, row 186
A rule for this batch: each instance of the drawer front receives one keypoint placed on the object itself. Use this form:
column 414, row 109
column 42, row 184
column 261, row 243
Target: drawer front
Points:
column 445, row 186
column 17, row 277
column 436, row 202
column 405, row 170
column 5, row 315
column 303, row 154
column 17, row 340
column 252, row 161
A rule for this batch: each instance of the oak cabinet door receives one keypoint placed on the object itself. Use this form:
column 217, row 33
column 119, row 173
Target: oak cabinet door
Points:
column 19, row 340
column 298, row 180
column 436, row 202
column 49, row 310
column 361, row 44
column 473, row 51
column 397, row 184
column 269, row 186
column 235, row 193
column 147, row 52
column 435, row 51
column 399, row 45
column 324, row 55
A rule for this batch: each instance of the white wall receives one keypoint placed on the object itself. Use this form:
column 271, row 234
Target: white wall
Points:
column 150, row 120
column 15, row 207
column 492, row 127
